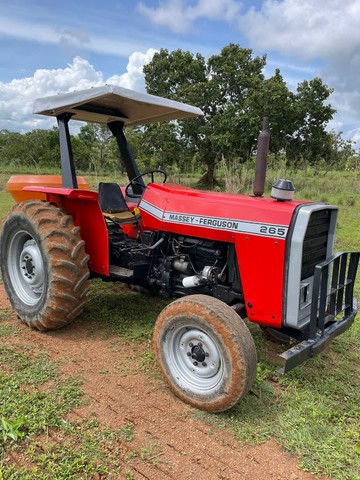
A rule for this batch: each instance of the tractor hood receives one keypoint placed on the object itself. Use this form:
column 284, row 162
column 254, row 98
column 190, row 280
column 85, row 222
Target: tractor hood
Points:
column 214, row 215
column 109, row 103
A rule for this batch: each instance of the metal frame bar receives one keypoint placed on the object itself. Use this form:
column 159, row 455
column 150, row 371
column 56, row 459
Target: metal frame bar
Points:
column 68, row 173
column 117, row 129
column 67, row 160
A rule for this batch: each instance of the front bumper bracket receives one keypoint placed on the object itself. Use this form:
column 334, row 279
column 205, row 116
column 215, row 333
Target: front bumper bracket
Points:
column 333, row 308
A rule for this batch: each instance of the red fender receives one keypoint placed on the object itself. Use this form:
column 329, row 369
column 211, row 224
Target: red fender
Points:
column 84, row 207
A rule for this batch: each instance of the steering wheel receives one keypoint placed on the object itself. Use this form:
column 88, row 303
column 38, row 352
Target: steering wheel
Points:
column 135, row 181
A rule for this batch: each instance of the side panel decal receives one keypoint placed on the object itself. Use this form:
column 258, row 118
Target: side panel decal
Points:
column 216, row 223
column 151, row 209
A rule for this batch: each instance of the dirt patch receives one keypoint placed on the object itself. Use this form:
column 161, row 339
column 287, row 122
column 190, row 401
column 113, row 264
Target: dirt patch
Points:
column 169, row 443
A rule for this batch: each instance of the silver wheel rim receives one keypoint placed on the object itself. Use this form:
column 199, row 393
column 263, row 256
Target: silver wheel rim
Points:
column 26, row 268
column 194, row 359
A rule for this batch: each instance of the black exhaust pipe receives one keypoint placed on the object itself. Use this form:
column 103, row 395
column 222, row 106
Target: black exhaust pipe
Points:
column 261, row 159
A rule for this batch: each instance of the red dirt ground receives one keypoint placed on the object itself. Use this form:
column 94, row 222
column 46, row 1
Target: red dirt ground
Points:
column 183, row 447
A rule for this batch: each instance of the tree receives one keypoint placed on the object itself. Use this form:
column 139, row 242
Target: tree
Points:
column 222, row 88
column 312, row 112
column 234, row 95
column 12, row 148
column 276, row 101
column 36, row 149
column 340, row 152
column 95, row 142
column 165, row 149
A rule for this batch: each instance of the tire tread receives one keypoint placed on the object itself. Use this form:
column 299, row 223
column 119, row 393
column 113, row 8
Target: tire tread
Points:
column 227, row 324
column 67, row 260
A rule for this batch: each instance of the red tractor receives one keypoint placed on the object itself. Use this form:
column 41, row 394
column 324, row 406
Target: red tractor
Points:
column 225, row 256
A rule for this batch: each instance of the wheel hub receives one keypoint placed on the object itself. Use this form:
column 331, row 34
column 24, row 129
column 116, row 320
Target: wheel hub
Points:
column 196, row 357
column 198, row 353
column 26, row 268
column 31, row 266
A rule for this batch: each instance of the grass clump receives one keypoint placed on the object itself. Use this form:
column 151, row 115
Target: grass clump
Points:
column 321, row 419
column 32, row 390
column 127, row 432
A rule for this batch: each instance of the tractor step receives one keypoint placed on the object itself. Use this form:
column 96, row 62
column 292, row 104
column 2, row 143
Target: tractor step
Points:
column 121, row 271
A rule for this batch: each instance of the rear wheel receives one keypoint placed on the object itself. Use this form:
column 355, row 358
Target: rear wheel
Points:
column 205, row 351
column 43, row 265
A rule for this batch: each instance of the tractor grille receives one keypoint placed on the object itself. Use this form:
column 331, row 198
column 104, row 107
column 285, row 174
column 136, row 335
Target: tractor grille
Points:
column 315, row 242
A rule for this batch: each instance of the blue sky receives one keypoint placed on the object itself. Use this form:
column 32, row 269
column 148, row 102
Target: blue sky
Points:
column 55, row 46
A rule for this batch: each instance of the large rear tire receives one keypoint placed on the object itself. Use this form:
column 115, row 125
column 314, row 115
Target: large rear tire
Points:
column 205, row 351
column 43, row 265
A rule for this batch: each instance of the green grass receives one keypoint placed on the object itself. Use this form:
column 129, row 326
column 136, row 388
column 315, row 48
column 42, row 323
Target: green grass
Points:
column 21, row 397
column 314, row 411
column 35, row 396
column 34, row 401
column 6, row 202
column 6, row 330
column 137, row 312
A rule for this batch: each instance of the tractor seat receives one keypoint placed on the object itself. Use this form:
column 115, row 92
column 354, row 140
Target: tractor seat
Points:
column 113, row 204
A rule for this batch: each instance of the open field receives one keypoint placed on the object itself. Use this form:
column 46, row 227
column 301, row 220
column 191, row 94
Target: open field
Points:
column 88, row 402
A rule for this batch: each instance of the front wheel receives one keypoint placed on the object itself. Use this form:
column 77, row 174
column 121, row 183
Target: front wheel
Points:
column 205, row 351
column 43, row 265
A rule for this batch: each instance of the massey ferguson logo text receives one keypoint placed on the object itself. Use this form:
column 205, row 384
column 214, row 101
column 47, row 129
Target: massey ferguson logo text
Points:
column 205, row 221
column 265, row 230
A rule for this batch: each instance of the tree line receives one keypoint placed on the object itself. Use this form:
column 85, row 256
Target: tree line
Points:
column 232, row 91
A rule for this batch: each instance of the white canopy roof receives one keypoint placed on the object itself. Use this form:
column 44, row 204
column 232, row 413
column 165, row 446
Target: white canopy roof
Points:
column 110, row 103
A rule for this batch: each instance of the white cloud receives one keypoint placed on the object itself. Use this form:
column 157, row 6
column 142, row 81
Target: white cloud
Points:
column 354, row 135
column 324, row 35
column 134, row 77
column 65, row 37
column 17, row 97
column 308, row 28
column 16, row 28
column 177, row 17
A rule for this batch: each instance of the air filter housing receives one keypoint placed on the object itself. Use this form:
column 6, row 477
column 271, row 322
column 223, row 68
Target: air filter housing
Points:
column 283, row 190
